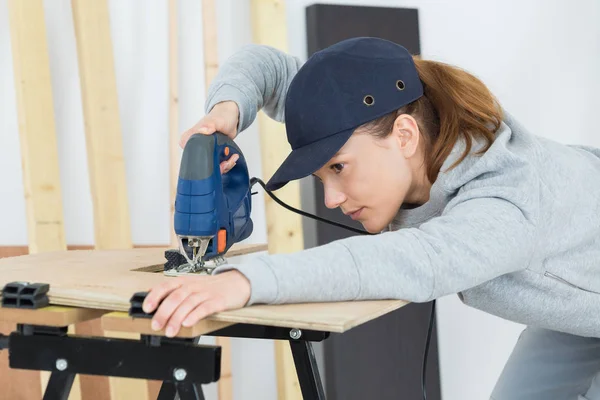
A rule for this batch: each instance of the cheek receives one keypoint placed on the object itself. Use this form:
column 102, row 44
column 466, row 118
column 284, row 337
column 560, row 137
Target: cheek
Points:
column 389, row 186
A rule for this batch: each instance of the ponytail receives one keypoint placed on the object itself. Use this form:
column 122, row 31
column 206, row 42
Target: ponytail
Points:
column 455, row 105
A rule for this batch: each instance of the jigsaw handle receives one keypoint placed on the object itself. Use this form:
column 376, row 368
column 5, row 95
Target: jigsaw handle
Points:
column 207, row 201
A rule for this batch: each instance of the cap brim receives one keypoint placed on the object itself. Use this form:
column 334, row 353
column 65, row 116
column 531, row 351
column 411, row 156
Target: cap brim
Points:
column 305, row 160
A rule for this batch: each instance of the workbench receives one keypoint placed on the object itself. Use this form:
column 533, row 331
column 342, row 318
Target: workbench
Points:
column 47, row 292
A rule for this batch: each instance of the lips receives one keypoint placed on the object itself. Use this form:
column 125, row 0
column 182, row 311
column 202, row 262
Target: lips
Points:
column 355, row 214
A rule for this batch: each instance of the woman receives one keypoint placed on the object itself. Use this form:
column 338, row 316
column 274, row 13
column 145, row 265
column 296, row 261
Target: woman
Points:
column 463, row 198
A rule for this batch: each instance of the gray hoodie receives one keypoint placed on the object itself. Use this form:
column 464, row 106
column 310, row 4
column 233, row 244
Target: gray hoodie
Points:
column 514, row 232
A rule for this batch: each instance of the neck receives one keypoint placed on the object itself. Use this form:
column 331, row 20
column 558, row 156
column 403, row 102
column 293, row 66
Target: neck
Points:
column 420, row 189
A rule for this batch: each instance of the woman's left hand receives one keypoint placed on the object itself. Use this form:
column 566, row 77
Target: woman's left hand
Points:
column 185, row 300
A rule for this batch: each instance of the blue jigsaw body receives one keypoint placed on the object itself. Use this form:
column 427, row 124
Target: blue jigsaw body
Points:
column 209, row 203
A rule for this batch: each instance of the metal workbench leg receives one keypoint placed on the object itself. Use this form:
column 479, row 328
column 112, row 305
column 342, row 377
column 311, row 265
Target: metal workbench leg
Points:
column 307, row 370
column 167, row 391
column 59, row 386
column 189, row 391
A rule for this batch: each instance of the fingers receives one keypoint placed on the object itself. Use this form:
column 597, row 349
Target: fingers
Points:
column 223, row 117
column 204, row 310
column 226, row 166
column 159, row 292
column 185, row 306
column 169, row 305
column 182, row 311
column 204, row 128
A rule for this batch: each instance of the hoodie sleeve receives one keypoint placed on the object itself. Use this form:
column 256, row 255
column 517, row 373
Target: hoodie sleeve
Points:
column 255, row 77
column 488, row 229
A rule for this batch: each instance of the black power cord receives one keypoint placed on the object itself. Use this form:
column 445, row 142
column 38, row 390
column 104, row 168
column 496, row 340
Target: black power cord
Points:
column 429, row 331
column 255, row 180
column 303, row 213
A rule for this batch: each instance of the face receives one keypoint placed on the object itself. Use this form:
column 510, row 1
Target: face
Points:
column 370, row 178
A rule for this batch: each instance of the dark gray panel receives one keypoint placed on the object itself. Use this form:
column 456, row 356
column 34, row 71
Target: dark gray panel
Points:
column 382, row 359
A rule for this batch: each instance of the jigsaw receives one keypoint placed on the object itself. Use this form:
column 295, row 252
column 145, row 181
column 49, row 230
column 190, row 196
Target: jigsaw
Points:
column 212, row 210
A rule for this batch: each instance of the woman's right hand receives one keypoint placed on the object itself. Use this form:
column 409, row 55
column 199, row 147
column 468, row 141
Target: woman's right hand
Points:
column 223, row 117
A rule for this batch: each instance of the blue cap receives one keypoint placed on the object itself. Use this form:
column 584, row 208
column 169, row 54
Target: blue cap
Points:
column 337, row 90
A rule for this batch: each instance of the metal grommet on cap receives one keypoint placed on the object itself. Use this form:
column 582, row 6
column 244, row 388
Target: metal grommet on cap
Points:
column 369, row 100
column 400, row 84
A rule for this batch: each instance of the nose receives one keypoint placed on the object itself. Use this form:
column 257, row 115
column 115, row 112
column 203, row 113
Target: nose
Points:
column 333, row 197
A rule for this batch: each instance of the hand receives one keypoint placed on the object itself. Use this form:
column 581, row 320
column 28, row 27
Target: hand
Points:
column 223, row 117
column 185, row 300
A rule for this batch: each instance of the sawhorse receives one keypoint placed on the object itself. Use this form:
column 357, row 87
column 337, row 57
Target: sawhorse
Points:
column 41, row 342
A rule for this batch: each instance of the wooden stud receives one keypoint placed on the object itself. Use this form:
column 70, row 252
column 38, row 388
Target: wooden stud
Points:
column 106, row 167
column 50, row 315
column 102, row 125
column 175, row 151
column 39, row 152
column 119, row 321
column 211, row 66
column 210, row 41
column 39, row 159
column 284, row 229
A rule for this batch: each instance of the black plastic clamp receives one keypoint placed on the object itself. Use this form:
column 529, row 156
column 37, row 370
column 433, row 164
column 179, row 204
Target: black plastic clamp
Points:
column 25, row 295
column 135, row 308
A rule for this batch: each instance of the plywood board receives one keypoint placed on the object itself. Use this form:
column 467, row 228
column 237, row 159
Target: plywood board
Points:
column 107, row 279
column 103, row 279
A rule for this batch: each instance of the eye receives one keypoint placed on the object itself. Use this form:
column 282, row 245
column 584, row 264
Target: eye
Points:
column 337, row 168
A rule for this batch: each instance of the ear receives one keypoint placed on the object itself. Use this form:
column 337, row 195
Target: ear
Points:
column 407, row 134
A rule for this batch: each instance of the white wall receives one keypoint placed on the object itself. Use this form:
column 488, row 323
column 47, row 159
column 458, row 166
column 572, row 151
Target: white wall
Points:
column 540, row 58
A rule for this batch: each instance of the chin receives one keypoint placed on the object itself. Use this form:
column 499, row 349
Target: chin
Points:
column 374, row 226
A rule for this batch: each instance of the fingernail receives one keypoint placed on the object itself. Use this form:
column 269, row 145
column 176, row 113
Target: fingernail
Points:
column 148, row 307
column 155, row 326
column 170, row 331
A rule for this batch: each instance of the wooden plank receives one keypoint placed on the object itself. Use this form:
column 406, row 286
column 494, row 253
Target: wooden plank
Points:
column 210, row 40
column 119, row 321
column 211, row 66
column 174, row 134
column 50, row 316
column 39, row 156
column 11, row 251
column 106, row 279
column 39, row 153
column 106, row 164
column 284, row 229
column 102, row 125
